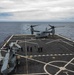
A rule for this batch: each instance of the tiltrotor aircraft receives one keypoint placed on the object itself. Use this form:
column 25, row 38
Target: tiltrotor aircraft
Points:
column 45, row 33
column 9, row 61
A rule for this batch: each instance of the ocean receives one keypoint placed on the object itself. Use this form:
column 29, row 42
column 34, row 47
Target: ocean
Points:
column 9, row 28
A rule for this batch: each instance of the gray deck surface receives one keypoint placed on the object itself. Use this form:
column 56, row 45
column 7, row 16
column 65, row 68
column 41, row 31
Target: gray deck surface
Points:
column 56, row 57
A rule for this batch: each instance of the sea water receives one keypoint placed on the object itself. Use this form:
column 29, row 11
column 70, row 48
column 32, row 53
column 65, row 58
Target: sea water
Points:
column 9, row 28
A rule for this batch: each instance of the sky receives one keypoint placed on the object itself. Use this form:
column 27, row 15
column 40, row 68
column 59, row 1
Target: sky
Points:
column 36, row 10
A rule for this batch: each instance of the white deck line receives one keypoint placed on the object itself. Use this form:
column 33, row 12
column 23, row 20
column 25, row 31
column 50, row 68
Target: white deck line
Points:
column 32, row 74
column 69, row 62
column 64, row 66
column 67, row 43
column 7, row 42
column 50, row 55
column 64, row 37
column 23, row 34
column 53, row 41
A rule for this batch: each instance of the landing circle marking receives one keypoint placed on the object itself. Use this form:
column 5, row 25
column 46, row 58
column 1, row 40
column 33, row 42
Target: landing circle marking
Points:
column 58, row 67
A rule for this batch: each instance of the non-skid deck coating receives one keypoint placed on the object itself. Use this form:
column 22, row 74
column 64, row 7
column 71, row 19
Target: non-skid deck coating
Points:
column 56, row 57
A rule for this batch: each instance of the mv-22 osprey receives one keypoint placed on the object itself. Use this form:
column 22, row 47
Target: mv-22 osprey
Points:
column 9, row 62
column 44, row 33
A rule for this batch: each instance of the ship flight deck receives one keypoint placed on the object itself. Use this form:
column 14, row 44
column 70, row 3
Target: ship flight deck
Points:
column 43, row 56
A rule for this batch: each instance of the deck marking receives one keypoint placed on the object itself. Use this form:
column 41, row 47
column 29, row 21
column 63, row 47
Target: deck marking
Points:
column 63, row 54
column 26, row 55
column 70, row 70
column 35, row 55
column 71, row 54
column 63, row 37
column 67, row 54
column 53, row 41
column 69, row 62
column 43, row 55
column 42, row 63
column 51, row 54
column 46, row 55
column 7, row 42
column 39, row 55
column 53, row 57
column 59, row 40
column 66, row 48
column 31, row 74
column 64, row 66
column 66, row 73
column 67, row 43
column 60, row 68
column 31, row 56
column 38, row 73
column 30, row 42
column 55, row 54
column 32, row 59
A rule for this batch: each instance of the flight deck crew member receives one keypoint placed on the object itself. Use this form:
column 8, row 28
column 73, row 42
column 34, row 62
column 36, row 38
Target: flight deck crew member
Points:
column 35, row 46
column 30, row 49
column 21, row 49
column 27, row 48
column 40, row 49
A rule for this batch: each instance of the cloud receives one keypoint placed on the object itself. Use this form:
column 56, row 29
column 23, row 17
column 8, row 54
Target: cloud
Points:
column 38, row 9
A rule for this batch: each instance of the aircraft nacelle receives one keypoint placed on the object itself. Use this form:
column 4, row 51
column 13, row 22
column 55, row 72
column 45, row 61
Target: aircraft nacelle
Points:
column 15, row 46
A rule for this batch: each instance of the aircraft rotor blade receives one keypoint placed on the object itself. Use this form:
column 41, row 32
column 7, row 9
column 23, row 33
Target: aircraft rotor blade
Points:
column 27, row 28
column 59, row 26
column 34, row 25
column 55, row 26
column 50, row 25
column 49, row 28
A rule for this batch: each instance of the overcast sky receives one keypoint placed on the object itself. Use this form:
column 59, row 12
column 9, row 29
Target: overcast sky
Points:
column 36, row 10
